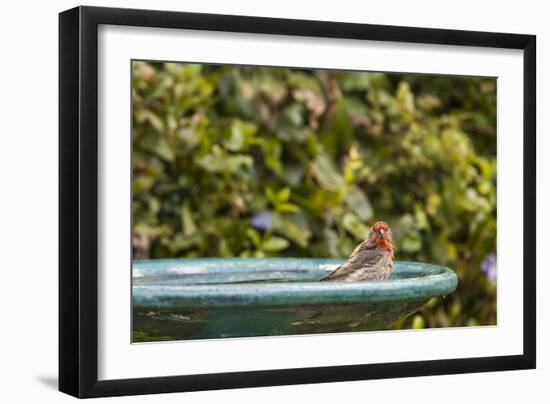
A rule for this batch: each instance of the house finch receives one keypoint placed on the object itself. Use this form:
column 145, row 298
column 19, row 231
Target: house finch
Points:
column 372, row 260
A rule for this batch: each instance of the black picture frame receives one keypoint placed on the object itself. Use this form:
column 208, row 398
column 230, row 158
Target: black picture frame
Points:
column 78, row 200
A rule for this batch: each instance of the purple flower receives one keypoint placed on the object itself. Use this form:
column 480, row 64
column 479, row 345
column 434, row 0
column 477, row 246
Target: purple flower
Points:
column 489, row 266
column 262, row 220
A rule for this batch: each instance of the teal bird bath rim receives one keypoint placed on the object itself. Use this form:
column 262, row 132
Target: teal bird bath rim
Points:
column 218, row 298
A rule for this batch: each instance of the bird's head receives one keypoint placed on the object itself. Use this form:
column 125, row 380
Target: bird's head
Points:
column 380, row 234
column 380, row 230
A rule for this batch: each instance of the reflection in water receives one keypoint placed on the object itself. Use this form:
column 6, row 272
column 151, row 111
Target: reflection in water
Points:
column 252, row 277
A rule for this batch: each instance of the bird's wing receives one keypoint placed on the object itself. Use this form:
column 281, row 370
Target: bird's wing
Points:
column 364, row 256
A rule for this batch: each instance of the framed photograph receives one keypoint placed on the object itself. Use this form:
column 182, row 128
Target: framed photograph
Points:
column 252, row 201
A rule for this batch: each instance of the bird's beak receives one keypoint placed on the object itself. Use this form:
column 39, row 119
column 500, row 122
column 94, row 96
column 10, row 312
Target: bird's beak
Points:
column 381, row 231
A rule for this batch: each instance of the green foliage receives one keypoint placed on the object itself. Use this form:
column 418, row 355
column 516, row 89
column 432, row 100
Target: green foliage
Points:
column 255, row 161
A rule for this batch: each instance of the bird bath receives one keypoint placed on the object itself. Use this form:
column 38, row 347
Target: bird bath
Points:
column 240, row 297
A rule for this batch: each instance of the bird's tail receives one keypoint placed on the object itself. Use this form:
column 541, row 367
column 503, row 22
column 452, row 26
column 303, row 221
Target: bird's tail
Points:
column 330, row 276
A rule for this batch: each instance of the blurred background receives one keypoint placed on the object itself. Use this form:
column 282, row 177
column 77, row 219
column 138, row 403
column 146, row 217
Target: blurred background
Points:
column 258, row 161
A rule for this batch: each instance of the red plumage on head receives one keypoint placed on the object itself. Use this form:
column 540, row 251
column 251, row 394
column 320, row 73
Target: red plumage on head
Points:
column 383, row 241
column 381, row 226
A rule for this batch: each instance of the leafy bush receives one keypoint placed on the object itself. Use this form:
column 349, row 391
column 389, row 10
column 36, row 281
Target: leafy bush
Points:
column 256, row 161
